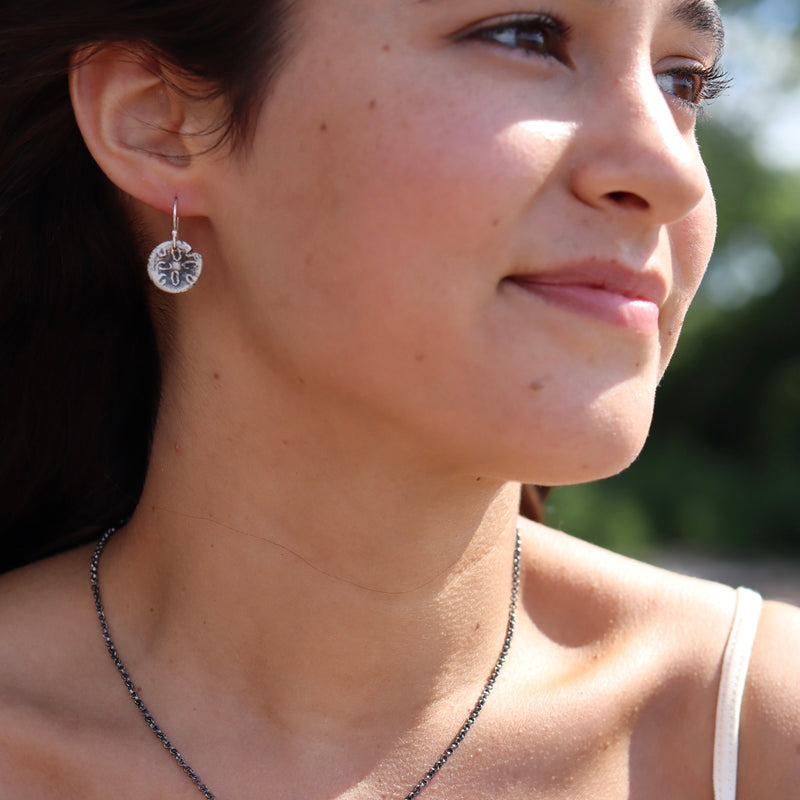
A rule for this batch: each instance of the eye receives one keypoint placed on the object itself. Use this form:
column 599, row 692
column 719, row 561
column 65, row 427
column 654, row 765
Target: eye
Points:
column 694, row 85
column 685, row 86
column 532, row 34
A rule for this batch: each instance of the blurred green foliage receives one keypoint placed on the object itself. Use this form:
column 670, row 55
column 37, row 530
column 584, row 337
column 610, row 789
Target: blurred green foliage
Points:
column 721, row 470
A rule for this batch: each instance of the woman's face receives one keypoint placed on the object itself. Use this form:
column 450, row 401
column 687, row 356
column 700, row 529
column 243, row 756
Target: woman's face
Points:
column 475, row 226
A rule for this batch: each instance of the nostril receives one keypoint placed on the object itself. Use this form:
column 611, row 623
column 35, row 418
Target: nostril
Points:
column 628, row 200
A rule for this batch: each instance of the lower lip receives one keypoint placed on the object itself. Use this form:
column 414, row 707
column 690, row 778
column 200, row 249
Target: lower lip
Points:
column 636, row 314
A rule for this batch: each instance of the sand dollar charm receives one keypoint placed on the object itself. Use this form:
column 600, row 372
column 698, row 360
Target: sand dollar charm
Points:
column 174, row 267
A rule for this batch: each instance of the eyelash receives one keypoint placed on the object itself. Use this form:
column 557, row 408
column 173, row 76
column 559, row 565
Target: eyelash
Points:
column 713, row 81
column 552, row 37
column 553, row 34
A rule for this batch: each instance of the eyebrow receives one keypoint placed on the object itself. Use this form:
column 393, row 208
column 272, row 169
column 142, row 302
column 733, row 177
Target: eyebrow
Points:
column 702, row 16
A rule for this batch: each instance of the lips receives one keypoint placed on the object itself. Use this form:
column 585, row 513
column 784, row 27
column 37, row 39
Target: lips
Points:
column 606, row 291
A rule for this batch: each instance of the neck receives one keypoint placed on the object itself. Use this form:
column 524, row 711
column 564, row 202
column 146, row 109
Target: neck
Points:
column 235, row 571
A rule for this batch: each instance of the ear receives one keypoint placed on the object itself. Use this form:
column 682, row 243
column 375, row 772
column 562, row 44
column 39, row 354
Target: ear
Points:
column 143, row 132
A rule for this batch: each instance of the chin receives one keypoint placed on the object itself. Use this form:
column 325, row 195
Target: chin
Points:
column 585, row 471
column 585, row 453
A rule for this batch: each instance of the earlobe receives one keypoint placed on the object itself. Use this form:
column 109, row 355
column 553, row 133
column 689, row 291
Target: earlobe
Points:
column 134, row 124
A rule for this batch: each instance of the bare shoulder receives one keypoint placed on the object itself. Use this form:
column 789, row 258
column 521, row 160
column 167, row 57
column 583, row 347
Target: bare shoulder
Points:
column 647, row 645
column 770, row 732
column 670, row 634
column 45, row 632
column 619, row 596
column 39, row 607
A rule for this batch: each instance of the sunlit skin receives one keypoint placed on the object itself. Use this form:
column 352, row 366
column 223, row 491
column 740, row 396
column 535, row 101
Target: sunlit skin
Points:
column 380, row 284
column 454, row 256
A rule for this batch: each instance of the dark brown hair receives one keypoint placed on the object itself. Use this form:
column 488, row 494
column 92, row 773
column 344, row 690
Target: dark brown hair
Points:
column 79, row 374
column 79, row 369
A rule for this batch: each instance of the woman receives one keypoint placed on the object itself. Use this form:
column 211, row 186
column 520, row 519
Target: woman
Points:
column 447, row 248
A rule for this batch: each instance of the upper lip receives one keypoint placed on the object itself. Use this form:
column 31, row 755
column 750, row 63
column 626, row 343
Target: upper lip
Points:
column 644, row 283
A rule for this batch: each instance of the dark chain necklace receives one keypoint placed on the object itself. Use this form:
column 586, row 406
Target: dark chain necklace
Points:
column 195, row 778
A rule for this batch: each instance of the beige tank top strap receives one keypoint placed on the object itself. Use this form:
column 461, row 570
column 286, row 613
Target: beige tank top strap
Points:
column 735, row 664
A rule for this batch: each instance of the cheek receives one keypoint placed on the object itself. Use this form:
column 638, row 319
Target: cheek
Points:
column 691, row 243
column 383, row 207
column 377, row 227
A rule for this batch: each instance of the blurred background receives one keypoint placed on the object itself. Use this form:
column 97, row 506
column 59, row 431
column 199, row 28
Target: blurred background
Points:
column 716, row 491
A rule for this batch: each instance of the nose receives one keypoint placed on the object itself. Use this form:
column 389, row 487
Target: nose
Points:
column 635, row 154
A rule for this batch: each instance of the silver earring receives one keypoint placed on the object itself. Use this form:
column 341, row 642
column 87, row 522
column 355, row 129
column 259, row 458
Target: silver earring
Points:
column 173, row 266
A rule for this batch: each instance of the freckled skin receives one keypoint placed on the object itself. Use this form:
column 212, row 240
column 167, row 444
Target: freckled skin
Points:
column 365, row 512
column 525, row 143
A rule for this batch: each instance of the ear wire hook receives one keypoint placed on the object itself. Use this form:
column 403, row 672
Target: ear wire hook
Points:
column 175, row 227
